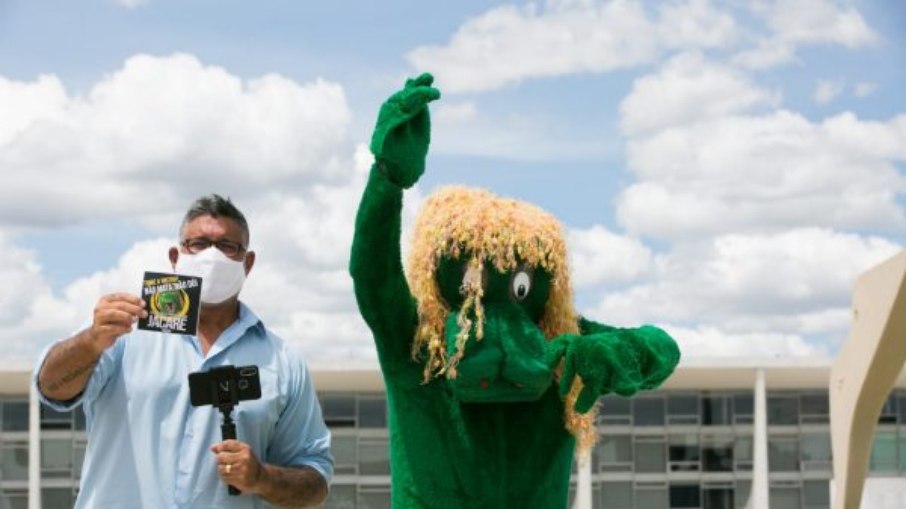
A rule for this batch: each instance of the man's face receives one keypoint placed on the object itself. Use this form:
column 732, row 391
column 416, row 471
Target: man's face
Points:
column 214, row 230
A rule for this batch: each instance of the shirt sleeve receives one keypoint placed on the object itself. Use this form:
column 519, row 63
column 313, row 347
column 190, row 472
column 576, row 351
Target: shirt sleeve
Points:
column 301, row 437
column 102, row 372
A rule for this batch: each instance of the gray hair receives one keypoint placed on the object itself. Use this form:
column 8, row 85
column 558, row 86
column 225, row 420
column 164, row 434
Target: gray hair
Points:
column 215, row 206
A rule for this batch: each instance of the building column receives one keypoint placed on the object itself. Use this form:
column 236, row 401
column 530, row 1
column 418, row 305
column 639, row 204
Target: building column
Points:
column 583, row 481
column 759, row 496
column 34, row 449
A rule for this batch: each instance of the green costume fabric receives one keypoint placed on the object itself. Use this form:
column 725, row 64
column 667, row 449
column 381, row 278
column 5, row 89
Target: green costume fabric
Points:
column 489, row 432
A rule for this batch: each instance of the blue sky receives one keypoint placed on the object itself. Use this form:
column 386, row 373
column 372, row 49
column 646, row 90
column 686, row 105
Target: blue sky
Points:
column 722, row 169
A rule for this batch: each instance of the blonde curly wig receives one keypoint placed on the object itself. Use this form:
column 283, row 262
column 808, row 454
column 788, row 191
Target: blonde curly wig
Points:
column 460, row 222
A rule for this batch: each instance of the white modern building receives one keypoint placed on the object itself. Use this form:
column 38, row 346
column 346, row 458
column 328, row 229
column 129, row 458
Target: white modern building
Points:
column 720, row 434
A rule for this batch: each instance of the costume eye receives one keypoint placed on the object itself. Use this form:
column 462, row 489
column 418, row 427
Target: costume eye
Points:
column 522, row 284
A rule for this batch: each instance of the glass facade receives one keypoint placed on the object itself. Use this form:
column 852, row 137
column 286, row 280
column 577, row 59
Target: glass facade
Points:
column 659, row 450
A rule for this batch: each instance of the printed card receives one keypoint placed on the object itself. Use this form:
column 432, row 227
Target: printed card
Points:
column 173, row 303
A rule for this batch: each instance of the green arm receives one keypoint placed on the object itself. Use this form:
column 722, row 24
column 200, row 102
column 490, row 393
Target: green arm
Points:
column 399, row 144
column 610, row 359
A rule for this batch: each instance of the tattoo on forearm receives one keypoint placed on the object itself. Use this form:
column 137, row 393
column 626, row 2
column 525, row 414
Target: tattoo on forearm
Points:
column 68, row 350
column 296, row 487
column 70, row 377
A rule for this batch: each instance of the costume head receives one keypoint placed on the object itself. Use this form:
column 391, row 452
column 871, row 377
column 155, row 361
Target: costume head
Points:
column 492, row 285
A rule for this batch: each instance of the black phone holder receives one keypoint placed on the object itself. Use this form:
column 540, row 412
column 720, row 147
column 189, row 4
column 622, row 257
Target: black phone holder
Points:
column 224, row 387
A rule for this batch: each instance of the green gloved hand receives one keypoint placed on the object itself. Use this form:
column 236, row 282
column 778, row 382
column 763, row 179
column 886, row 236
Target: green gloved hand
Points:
column 403, row 132
column 622, row 361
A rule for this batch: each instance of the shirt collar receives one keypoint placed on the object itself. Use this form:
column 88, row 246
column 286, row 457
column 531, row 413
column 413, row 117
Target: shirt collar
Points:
column 238, row 330
column 248, row 319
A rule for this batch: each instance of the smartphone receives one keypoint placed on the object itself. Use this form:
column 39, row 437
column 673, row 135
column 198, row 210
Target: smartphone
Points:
column 224, row 385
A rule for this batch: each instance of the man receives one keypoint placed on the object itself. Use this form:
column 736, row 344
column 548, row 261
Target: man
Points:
column 147, row 445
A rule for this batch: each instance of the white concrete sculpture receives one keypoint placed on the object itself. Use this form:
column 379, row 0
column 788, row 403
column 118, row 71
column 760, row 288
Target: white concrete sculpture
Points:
column 864, row 372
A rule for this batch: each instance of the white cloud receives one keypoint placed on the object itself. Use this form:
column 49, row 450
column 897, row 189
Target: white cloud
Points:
column 819, row 21
column 688, row 89
column 157, row 133
column 709, row 342
column 766, row 172
column 766, row 53
column 151, row 137
column 33, row 316
column 557, row 39
column 695, row 24
column 509, row 44
column 601, row 257
column 794, row 23
column 827, row 90
column 792, row 284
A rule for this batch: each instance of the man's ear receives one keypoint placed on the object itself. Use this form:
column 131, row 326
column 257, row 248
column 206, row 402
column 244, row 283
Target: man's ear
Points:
column 249, row 262
column 173, row 254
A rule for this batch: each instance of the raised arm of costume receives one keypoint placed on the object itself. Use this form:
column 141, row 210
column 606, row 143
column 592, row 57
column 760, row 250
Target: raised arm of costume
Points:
column 400, row 145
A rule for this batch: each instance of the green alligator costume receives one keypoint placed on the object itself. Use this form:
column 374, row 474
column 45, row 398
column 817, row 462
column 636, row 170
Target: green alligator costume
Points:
column 491, row 375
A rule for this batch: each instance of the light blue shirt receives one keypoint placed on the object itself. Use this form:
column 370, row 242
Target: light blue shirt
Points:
column 149, row 447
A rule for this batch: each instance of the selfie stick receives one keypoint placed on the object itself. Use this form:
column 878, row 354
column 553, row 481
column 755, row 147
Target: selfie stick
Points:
column 227, row 427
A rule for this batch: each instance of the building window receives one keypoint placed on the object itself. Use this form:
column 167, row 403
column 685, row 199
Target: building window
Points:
column 52, row 419
column 14, row 461
column 685, row 496
column 901, row 407
column 372, row 412
column 78, row 456
column 615, row 453
column 717, row 454
column 338, row 410
column 343, row 448
column 649, row 456
column 651, row 497
column 14, row 499
column 56, row 457
column 57, row 497
column 15, row 415
column 816, row 451
column 743, row 409
column 816, row 494
column 682, row 409
column 815, row 408
column 784, row 498
column 783, row 455
column 716, row 411
column 783, row 410
column 79, row 416
column 342, row 496
column 717, row 497
column 374, row 497
column 616, row 495
column 648, row 411
column 684, row 453
column 902, row 450
column 374, row 456
column 614, row 410
column 743, row 493
column 742, row 452
column 888, row 411
column 884, row 451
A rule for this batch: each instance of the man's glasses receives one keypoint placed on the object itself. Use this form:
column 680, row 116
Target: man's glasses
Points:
column 227, row 247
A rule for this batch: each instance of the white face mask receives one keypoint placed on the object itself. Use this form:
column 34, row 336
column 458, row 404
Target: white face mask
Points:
column 221, row 277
